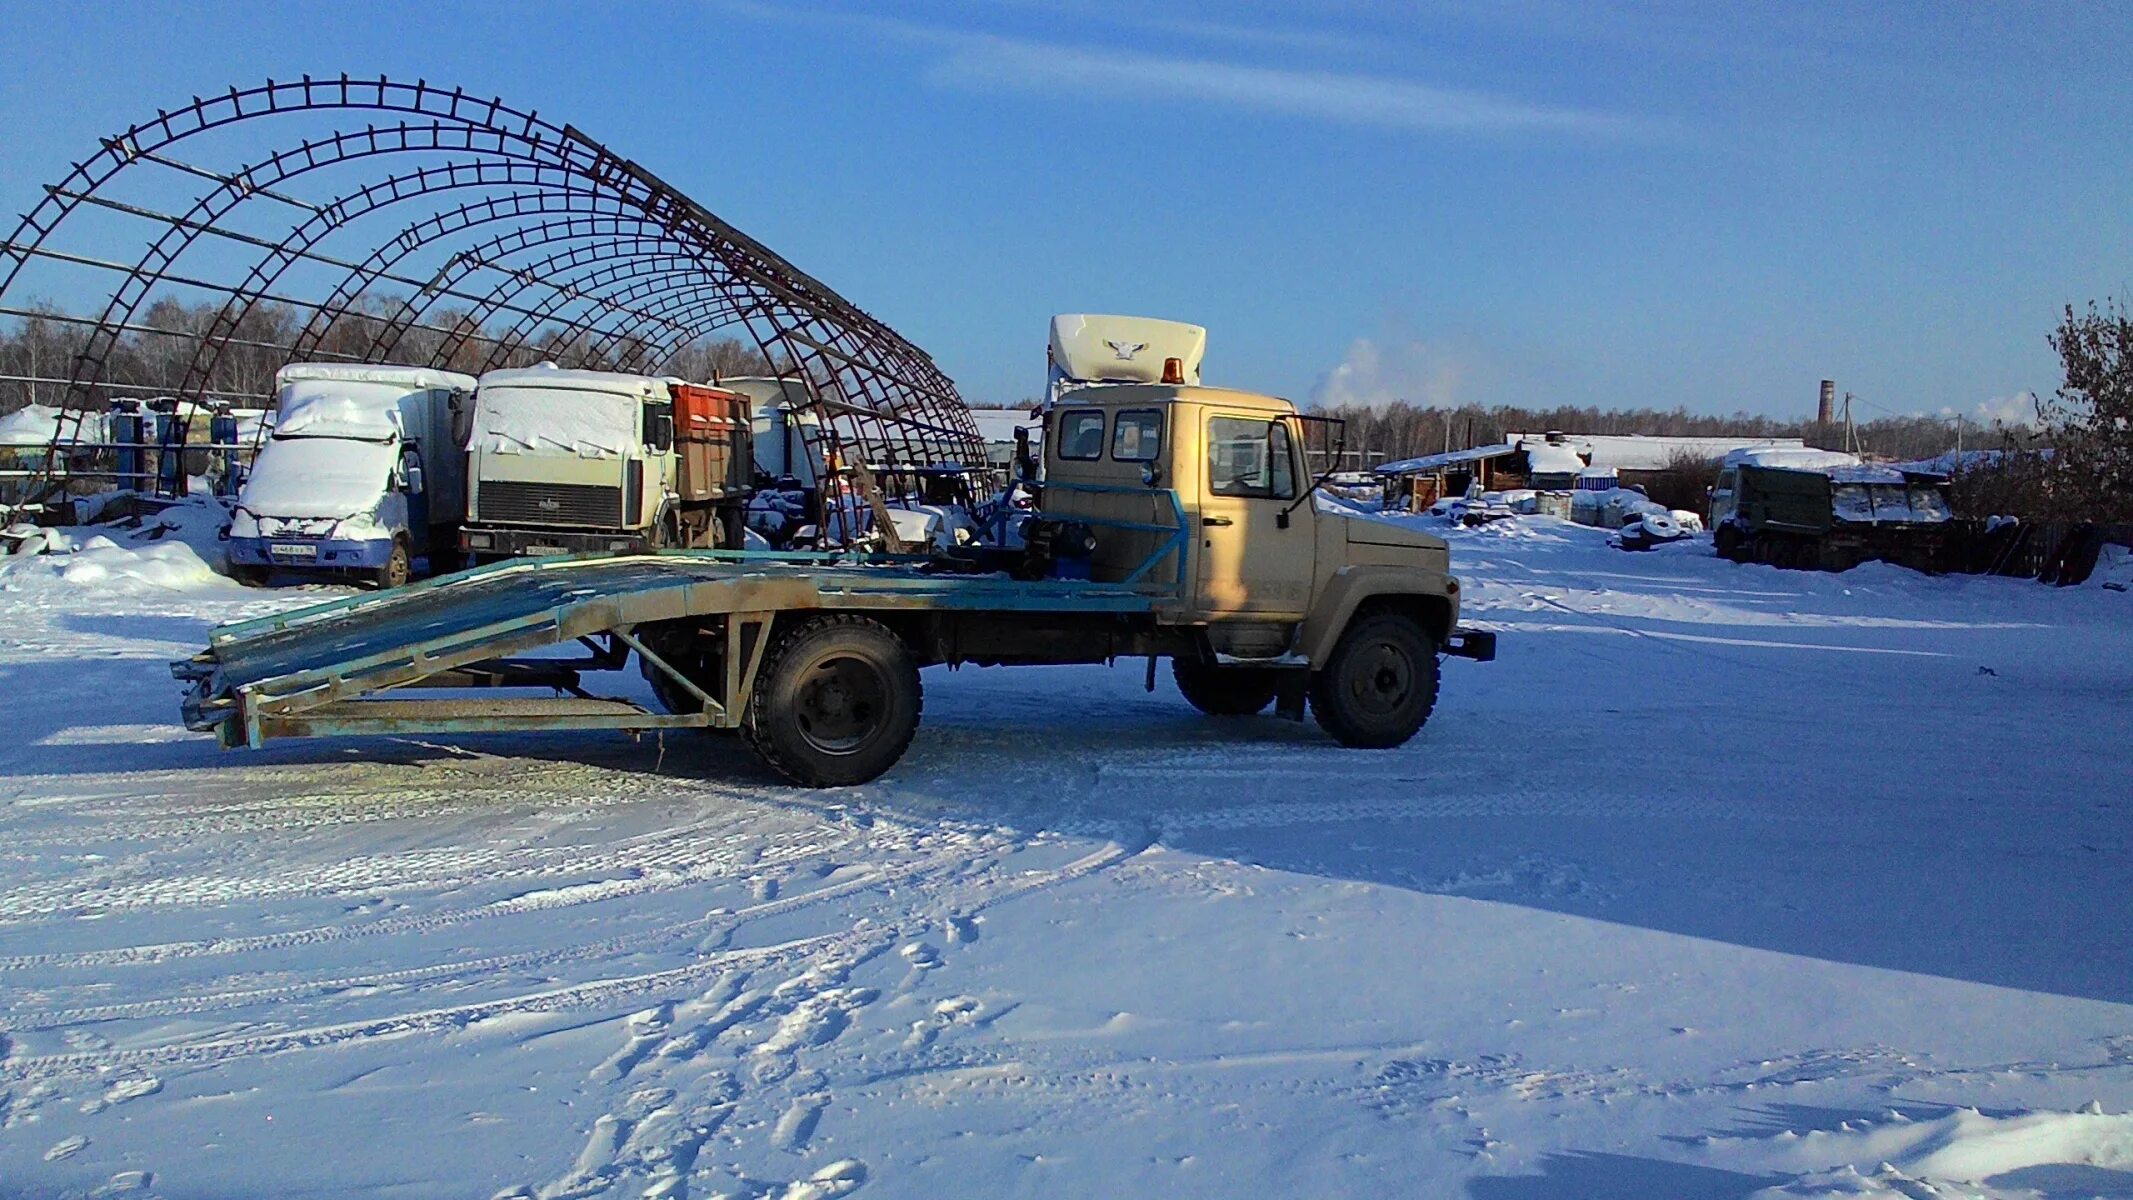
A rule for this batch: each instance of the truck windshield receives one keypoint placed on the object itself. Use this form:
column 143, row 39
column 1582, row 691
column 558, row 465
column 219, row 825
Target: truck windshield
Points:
column 1927, row 504
column 354, row 411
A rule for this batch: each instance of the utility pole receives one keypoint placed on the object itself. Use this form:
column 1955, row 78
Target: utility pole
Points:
column 1851, row 433
column 1958, row 441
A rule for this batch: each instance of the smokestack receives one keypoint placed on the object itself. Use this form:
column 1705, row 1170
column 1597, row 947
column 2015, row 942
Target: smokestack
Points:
column 1826, row 412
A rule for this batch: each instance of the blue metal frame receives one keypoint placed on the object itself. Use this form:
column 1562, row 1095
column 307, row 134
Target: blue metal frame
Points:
column 1180, row 539
column 277, row 621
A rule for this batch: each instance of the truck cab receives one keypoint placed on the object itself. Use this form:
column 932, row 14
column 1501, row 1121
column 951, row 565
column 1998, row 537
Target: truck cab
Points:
column 362, row 474
column 598, row 462
column 1220, row 477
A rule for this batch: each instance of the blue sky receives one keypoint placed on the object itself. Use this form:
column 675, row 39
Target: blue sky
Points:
column 1525, row 202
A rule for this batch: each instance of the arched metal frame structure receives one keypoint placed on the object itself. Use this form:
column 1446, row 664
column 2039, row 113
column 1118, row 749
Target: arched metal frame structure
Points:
column 564, row 250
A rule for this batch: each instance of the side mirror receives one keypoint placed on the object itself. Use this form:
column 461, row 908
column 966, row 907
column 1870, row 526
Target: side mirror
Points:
column 1151, row 474
column 414, row 479
column 662, row 439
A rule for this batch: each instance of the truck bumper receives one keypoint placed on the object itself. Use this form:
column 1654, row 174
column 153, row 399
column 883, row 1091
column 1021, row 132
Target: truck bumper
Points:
column 499, row 542
column 1477, row 644
column 329, row 554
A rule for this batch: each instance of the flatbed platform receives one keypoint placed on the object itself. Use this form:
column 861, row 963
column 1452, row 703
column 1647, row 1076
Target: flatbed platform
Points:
column 306, row 672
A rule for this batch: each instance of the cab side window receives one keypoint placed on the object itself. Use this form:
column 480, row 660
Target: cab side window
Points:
column 1081, row 434
column 1250, row 458
column 1138, row 435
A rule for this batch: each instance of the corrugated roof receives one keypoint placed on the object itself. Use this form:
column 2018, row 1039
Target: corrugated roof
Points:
column 1439, row 462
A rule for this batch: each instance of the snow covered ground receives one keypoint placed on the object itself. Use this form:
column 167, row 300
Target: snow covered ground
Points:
column 1722, row 882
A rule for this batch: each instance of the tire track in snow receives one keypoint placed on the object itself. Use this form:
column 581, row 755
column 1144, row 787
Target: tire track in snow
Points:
column 696, row 928
column 569, row 896
column 593, row 993
column 650, row 853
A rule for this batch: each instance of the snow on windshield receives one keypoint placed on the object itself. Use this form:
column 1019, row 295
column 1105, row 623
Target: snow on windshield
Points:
column 339, row 409
column 513, row 420
column 311, row 476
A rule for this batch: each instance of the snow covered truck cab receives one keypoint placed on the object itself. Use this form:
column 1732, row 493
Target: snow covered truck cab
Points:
column 596, row 462
column 362, row 474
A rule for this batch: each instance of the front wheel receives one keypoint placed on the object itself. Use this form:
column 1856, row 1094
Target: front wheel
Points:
column 1225, row 691
column 250, row 575
column 836, row 702
column 1379, row 684
column 398, row 568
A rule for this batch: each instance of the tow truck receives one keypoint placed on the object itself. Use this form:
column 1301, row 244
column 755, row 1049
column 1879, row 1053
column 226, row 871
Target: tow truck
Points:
column 1172, row 521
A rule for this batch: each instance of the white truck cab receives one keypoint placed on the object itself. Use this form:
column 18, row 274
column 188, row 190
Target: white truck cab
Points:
column 569, row 462
column 362, row 474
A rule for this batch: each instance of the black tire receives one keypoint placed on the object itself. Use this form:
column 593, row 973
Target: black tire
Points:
column 1727, row 541
column 1379, row 684
column 682, row 646
column 1224, row 691
column 250, row 575
column 836, row 702
column 398, row 569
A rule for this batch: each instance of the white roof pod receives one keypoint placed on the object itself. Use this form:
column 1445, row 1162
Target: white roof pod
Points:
column 1092, row 348
column 411, row 378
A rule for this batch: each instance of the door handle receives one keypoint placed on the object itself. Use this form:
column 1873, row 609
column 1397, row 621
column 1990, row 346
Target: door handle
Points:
column 1216, row 521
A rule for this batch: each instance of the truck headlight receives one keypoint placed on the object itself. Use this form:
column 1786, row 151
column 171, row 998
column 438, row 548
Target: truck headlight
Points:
column 477, row 541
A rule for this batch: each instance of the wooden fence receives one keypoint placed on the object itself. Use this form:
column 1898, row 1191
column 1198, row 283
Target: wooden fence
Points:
column 2060, row 552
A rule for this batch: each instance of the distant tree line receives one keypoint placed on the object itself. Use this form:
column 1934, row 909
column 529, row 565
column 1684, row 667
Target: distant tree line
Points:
column 165, row 347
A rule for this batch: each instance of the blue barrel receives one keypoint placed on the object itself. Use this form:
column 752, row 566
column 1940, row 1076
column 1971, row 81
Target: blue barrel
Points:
column 222, row 430
column 126, row 435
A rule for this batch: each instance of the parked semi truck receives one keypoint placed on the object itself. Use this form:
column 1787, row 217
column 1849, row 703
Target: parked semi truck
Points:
column 1173, row 522
column 362, row 474
column 576, row 462
column 1829, row 511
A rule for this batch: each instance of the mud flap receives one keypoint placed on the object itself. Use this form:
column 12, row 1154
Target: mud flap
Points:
column 1289, row 694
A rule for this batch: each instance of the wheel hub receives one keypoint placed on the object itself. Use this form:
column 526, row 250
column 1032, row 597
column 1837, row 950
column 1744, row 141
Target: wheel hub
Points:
column 1382, row 678
column 841, row 703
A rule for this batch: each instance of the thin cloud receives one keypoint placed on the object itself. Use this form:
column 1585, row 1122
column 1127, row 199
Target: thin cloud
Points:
column 1002, row 64
column 992, row 63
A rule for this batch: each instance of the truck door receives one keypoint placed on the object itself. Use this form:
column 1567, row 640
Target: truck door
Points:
column 1252, row 560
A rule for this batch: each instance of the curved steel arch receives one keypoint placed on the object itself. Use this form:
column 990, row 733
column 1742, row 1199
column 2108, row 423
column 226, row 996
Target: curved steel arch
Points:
column 517, row 169
column 159, row 260
column 568, row 188
column 384, row 261
column 566, row 290
column 658, row 270
column 462, row 264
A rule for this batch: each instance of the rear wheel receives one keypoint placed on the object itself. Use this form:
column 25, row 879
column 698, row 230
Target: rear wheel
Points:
column 836, row 702
column 1224, row 691
column 1379, row 684
column 1727, row 541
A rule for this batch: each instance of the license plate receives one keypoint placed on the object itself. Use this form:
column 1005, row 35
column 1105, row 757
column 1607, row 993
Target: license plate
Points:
column 544, row 551
column 292, row 550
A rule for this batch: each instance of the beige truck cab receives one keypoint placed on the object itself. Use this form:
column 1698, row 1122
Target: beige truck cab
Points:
column 1280, row 596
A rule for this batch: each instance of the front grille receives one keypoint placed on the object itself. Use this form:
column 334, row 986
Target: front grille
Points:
column 549, row 504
